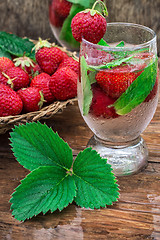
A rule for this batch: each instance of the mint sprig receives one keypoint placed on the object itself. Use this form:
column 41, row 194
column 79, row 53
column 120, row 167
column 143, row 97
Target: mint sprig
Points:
column 16, row 46
column 55, row 179
column 111, row 64
column 102, row 42
column 87, row 94
column 121, row 44
column 137, row 92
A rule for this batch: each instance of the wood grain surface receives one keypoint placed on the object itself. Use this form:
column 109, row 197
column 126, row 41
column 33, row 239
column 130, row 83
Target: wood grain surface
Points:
column 135, row 216
column 30, row 17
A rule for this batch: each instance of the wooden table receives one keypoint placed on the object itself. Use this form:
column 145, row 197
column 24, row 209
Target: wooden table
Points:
column 135, row 216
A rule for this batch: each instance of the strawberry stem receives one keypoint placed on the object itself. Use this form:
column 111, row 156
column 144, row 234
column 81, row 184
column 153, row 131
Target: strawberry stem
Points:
column 41, row 43
column 10, row 81
column 104, row 8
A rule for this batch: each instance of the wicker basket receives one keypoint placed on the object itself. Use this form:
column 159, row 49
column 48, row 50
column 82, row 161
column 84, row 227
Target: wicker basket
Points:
column 6, row 123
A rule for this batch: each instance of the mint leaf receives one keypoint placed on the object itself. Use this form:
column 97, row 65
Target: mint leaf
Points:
column 44, row 189
column 35, row 145
column 87, row 94
column 66, row 32
column 124, row 52
column 96, row 184
column 121, row 44
column 16, row 46
column 112, row 64
column 91, row 77
column 102, row 42
column 137, row 91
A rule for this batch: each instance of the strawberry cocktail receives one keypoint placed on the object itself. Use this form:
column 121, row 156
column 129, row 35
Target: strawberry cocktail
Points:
column 118, row 93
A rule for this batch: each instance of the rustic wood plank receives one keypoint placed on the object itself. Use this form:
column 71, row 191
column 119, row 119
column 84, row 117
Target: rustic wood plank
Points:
column 26, row 18
column 131, row 217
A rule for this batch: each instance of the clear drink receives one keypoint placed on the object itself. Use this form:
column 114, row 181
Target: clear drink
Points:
column 105, row 123
column 118, row 93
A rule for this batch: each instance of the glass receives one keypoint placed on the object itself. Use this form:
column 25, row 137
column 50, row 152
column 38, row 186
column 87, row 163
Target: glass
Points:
column 118, row 93
column 61, row 13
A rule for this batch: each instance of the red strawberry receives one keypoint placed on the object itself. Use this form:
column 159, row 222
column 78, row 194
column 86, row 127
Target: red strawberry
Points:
column 49, row 58
column 115, row 81
column 10, row 102
column 62, row 7
column 65, row 55
column 100, row 102
column 17, row 78
column 89, row 24
column 41, row 81
column 63, row 83
column 54, row 18
column 32, row 99
column 25, row 63
column 5, row 63
column 37, row 69
column 71, row 63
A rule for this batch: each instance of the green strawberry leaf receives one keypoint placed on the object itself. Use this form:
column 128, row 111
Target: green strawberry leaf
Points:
column 35, row 145
column 16, row 46
column 66, row 32
column 137, row 91
column 87, row 94
column 45, row 188
column 4, row 53
column 96, row 184
column 53, row 184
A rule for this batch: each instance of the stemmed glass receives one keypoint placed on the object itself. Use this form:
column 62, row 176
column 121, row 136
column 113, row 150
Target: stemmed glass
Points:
column 118, row 93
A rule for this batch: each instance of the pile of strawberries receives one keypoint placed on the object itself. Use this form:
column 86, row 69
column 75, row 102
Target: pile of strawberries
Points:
column 25, row 86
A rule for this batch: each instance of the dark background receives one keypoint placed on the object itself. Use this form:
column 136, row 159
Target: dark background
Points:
column 30, row 17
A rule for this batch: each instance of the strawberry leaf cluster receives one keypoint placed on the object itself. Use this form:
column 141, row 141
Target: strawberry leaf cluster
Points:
column 55, row 179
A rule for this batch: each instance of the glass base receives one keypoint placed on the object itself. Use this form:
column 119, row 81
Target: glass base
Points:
column 126, row 159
